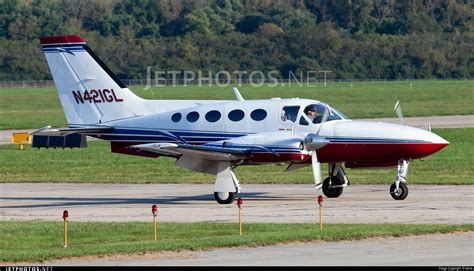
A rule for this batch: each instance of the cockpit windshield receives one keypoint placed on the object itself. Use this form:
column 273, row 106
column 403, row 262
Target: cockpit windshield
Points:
column 316, row 113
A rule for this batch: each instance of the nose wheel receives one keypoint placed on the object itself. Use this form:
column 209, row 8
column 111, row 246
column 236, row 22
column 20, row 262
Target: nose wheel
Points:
column 399, row 193
column 399, row 189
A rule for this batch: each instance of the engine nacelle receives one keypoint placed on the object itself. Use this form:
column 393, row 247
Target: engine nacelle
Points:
column 313, row 142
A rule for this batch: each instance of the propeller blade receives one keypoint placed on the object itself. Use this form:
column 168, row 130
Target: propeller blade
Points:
column 325, row 116
column 316, row 169
column 398, row 110
column 323, row 120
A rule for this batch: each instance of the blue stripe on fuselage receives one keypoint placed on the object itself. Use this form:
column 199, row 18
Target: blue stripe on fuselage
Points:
column 124, row 134
column 370, row 140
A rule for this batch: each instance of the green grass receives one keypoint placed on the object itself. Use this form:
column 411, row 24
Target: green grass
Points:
column 96, row 164
column 40, row 241
column 35, row 108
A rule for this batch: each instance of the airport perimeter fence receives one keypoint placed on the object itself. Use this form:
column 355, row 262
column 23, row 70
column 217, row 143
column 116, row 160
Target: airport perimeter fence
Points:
column 223, row 83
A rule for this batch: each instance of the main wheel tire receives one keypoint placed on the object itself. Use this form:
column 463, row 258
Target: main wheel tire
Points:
column 399, row 194
column 224, row 197
column 331, row 192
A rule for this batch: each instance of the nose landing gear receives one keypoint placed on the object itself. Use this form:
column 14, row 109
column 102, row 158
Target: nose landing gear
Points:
column 399, row 189
column 399, row 193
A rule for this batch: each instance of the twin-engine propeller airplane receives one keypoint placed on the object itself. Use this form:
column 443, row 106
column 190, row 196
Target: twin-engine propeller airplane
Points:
column 215, row 136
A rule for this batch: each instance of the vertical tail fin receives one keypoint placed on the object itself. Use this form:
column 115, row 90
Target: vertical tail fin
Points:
column 89, row 92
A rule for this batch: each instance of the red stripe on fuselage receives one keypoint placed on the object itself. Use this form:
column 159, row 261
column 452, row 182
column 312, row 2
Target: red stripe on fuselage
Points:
column 333, row 152
column 377, row 151
column 341, row 152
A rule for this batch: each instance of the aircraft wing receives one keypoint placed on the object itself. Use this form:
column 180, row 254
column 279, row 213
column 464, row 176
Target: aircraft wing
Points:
column 203, row 158
column 213, row 157
column 211, row 153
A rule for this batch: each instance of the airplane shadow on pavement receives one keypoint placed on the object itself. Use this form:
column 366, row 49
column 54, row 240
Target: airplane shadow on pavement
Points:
column 77, row 201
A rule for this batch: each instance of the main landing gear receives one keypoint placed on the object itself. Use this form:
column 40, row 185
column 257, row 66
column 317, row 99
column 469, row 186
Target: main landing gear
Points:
column 399, row 189
column 227, row 185
column 333, row 185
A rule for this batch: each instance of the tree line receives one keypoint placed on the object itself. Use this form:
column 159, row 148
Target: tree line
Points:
column 365, row 39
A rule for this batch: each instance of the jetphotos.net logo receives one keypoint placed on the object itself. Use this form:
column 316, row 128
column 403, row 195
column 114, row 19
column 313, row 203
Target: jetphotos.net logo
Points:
column 160, row 78
column 26, row 268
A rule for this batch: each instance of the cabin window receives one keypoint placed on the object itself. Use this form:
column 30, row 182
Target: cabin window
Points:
column 236, row 115
column 316, row 112
column 303, row 121
column 258, row 114
column 213, row 116
column 192, row 116
column 290, row 113
column 176, row 117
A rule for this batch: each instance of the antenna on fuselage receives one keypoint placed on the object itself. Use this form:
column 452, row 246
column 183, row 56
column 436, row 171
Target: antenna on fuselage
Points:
column 398, row 110
column 237, row 94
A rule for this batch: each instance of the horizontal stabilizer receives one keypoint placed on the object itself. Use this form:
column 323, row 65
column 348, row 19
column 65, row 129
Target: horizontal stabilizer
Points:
column 68, row 131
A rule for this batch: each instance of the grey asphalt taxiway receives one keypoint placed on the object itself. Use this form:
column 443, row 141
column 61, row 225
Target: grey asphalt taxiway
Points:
column 425, row 204
column 428, row 250
column 431, row 204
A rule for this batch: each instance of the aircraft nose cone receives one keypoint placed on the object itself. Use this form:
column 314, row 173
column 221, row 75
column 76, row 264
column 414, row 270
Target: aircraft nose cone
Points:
column 438, row 140
column 432, row 142
column 429, row 136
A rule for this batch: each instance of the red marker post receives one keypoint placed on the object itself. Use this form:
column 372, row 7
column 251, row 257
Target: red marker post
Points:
column 240, row 202
column 320, row 202
column 154, row 210
column 65, row 217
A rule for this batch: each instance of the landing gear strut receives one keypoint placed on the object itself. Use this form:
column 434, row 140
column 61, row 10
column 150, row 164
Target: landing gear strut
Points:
column 399, row 189
column 333, row 185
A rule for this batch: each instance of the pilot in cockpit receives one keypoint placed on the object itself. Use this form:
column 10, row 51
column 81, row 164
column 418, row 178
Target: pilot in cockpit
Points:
column 318, row 113
column 310, row 112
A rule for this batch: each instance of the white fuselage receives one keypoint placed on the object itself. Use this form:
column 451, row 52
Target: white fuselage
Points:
column 218, row 122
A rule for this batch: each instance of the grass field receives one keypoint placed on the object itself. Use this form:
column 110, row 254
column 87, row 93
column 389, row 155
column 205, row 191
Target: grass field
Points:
column 26, row 108
column 452, row 165
column 40, row 241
